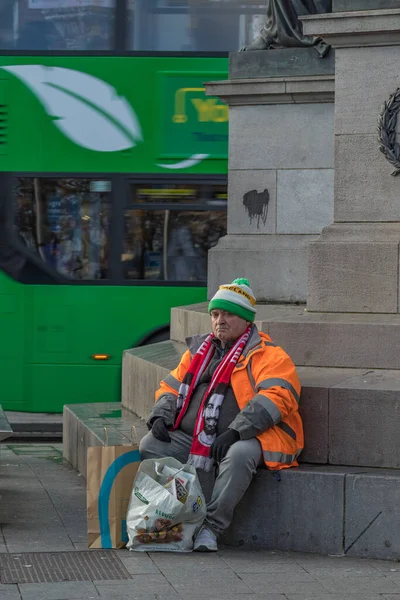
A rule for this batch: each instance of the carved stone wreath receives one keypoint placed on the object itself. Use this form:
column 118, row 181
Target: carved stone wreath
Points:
column 387, row 131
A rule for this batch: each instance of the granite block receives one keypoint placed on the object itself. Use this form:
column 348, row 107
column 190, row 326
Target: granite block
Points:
column 364, row 188
column 297, row 136
column 371, row 401
column 293, row 62
column 372, row 519
column 363, row 84
column 252, row 201
column 276, row 265
column 349, row 5
column 304, row 200
column 350, row 276
column 295, row 508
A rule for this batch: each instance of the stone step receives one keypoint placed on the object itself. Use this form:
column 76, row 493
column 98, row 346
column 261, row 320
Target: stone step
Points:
column 5, row 427
column 37, row 426
column 317, row 509
column 348, row 340
column 97, row 424
column 351, row 416
column 323, row 510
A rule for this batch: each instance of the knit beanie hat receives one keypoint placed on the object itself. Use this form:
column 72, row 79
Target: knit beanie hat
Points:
column 237, row 298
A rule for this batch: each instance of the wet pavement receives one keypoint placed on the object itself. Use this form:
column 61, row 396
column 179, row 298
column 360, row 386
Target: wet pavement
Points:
column 44, row 555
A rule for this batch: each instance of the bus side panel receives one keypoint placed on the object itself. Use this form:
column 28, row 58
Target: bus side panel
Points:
column 12, row 343
column 70, row 324
column 150, row 86
column 52, row 386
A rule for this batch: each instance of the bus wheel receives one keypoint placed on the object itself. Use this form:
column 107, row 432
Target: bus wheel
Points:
column 155, row 338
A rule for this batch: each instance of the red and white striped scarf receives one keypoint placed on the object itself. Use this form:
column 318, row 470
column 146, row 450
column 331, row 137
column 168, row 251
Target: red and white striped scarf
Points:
column 213, row 397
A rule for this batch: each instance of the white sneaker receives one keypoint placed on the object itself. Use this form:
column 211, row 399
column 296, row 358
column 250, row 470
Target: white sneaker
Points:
column 205, row 541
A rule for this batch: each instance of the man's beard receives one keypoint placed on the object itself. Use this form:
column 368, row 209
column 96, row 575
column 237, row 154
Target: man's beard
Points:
column 210, row 426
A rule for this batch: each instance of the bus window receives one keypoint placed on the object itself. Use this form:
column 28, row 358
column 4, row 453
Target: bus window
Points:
column 57, row 24
column 66, row 222
column 171, row 243
column 194, row 25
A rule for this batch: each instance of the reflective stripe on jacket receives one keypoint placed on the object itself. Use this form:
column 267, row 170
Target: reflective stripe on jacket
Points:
column 267, row 390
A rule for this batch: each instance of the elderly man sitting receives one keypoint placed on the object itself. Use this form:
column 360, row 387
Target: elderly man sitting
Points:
column 232, row 402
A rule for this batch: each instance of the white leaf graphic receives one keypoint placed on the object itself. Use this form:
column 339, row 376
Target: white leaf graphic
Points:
column 86, row 109
column 195, row 159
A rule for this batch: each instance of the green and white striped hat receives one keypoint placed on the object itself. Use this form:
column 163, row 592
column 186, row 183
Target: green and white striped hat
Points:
column 236, row 297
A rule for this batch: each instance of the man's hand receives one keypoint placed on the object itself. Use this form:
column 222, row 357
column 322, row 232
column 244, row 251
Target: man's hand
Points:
column 160, row 431
column 222, row 443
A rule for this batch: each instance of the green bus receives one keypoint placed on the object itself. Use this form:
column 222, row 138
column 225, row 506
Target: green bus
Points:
column 113, row 166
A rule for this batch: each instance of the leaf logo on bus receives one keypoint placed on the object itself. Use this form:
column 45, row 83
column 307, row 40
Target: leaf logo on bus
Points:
column 86, row 109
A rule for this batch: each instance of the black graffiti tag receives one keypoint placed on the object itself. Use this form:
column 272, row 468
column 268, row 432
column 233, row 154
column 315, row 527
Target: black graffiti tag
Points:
column 256, row 204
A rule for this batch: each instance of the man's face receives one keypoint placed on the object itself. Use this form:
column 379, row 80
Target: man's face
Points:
column 226, row 326
column 210, row 420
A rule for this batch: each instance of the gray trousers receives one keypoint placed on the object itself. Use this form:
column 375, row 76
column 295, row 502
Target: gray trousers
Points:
column 236, row 471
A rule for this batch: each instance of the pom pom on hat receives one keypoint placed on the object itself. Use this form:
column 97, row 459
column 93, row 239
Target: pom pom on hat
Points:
column 241, row 281
column 236, row 297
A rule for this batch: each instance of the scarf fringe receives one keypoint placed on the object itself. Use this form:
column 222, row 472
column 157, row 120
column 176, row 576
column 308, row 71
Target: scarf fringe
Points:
column 201, row 462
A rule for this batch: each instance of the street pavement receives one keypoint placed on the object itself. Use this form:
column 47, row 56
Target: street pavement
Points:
column 43, row 510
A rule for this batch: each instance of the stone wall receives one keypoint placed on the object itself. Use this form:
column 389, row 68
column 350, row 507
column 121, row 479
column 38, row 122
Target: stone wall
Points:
column 281, row 176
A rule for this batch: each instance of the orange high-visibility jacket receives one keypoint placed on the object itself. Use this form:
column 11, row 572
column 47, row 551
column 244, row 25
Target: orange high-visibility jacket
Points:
column 267, row 390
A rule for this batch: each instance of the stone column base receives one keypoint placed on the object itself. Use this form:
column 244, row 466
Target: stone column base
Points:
column 276, row 265
column 354, row 267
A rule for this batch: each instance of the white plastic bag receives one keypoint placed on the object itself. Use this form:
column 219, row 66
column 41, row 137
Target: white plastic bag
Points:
column 166, row 508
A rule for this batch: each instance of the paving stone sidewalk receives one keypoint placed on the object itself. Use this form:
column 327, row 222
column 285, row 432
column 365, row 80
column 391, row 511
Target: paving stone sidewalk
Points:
column 42, row 510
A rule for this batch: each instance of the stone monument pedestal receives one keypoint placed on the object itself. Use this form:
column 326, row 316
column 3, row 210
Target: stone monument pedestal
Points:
column 280, row 182
column 354, row 265
column 354, row 268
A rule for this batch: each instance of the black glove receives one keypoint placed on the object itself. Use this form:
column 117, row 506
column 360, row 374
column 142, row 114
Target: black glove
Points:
column 222, row 443
column 160, row 431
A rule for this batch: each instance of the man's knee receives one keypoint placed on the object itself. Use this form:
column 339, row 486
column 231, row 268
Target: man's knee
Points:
column 244, row 454
column 151, row 447
column 148, row 446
